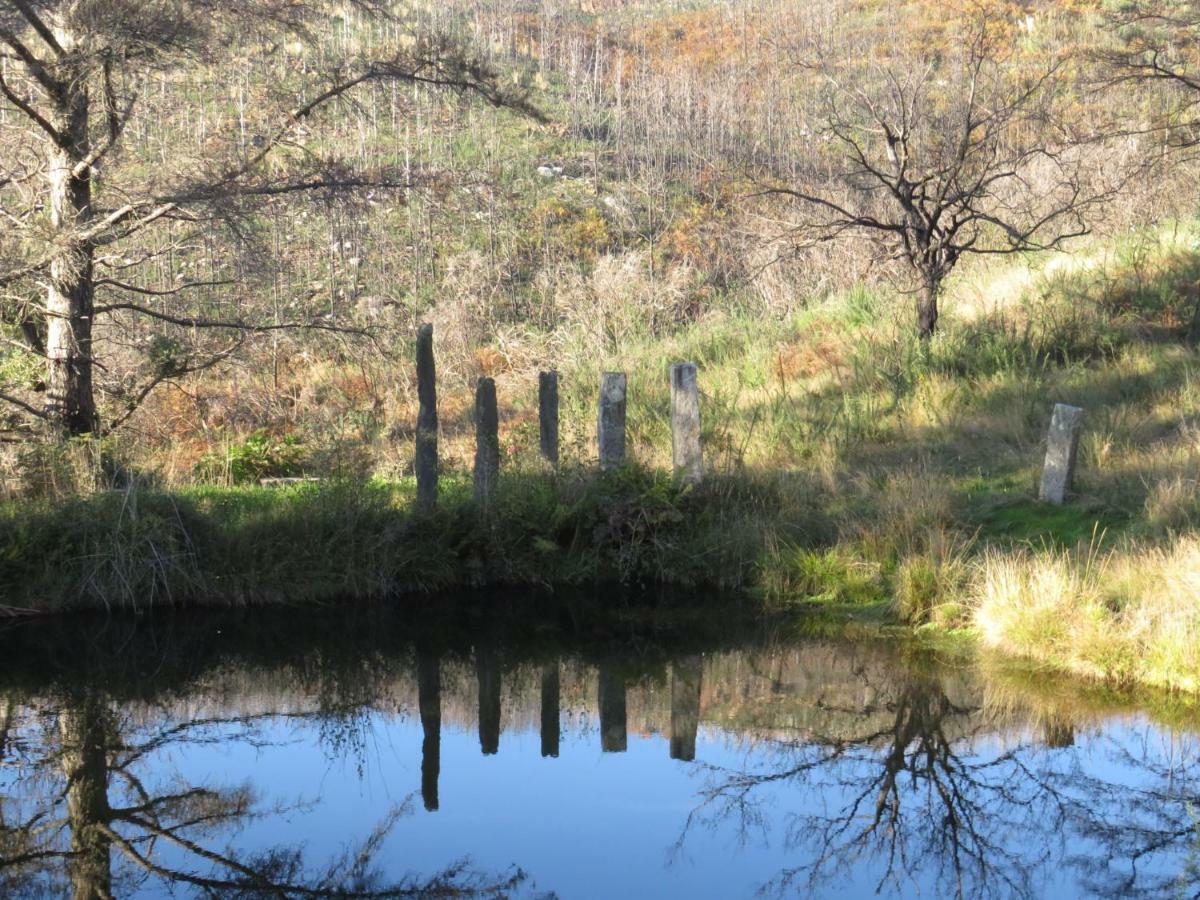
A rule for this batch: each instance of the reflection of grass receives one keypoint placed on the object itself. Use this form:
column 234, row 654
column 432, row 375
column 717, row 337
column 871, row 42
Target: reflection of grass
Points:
column 1012, row 684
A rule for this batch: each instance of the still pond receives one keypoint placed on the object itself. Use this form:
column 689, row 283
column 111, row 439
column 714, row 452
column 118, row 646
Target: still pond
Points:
column 289, row 754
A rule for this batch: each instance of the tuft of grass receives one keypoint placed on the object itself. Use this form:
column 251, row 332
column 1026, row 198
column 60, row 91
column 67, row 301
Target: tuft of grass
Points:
column 1127, row 616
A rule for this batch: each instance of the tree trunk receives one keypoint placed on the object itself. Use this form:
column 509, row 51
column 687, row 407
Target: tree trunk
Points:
column 927, row 308
column 70, row 403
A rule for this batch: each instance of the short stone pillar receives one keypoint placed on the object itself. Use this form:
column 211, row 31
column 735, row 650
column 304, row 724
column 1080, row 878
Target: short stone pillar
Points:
column 611, row 432
column 425, row 462
column 487, row 441
column 685, row 424
column 548, row 415
column 1062, row 442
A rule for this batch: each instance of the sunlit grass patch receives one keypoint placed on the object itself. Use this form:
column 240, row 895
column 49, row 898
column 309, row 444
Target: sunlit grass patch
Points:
column 1130, row 615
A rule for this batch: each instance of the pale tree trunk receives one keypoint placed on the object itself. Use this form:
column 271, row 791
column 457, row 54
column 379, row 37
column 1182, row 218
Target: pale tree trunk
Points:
column 84, row 730
column 70, row 403
column 927, row 307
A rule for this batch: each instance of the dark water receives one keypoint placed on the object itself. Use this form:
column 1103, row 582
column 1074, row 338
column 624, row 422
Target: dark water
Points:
column 292, row 755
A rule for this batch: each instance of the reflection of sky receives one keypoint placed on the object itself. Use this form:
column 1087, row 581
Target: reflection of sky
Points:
column 589, row 824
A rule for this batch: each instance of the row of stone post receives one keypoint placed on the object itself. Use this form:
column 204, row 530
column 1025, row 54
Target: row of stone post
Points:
column 1062, row 439
column 686, row 452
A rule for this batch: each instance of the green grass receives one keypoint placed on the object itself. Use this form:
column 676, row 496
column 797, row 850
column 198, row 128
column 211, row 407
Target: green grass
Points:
column 332, row 542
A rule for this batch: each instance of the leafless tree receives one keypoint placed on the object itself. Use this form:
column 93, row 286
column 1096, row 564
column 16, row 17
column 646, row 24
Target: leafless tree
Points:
column 72, row 76
column 934, row 159
column 1158, row 44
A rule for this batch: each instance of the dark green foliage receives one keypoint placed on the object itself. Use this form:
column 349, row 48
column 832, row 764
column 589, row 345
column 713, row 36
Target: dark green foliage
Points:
column 259, row 456
column 1026, row 520
column 334, row 541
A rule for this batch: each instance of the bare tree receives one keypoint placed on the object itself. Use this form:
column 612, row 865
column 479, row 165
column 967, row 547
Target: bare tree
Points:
column 72, row 79
column 1159, row 44
column 933, row 159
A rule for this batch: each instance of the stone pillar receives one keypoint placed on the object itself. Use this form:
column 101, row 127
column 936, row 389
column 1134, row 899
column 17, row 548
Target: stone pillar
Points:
column 487, row 674
column 613, row 732
column 611, row 432
column 548, row 415
column 550, row 709
column 429, row 703
column 1062, row 442
column 487, row 442
column 685, row 424
column 425, row 463
column 685, row 707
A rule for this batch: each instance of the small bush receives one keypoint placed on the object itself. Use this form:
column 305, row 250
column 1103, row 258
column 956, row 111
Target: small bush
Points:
column 259, row 456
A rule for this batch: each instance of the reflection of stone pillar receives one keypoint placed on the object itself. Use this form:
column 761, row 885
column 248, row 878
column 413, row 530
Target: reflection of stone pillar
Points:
column 85, row 764
column 550, row 703
column 685, row 707
column 487, row 673
column 429, row 702
column 1058, row 733
column 613, row 738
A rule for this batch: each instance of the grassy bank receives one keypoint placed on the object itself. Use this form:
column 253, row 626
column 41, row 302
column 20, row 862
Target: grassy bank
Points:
column 849, row 465
column 336, row 541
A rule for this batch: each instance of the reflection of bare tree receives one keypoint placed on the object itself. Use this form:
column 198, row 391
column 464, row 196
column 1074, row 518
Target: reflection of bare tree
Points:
column 913, row 801
column 90, row 827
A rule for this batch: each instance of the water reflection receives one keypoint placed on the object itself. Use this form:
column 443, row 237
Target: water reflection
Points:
column 91, row 816
column 686, row 673
column 487, row 671
column 429, row 703
column 551, row 730
column 611, row 702
column 173, row 758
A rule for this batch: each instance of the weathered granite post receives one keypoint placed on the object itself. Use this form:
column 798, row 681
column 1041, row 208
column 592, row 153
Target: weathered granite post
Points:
column 550, row 709
column 548, row 415
column 426, row 461
column 1062, row 442
column 685, row 424
column 611, row 432
column 613, row 731
column 429, row 703
column 487, row 675
column 487, row 441
column 685, row 707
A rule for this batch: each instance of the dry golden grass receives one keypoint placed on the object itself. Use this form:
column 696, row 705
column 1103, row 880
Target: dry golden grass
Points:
column 1130, row 615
